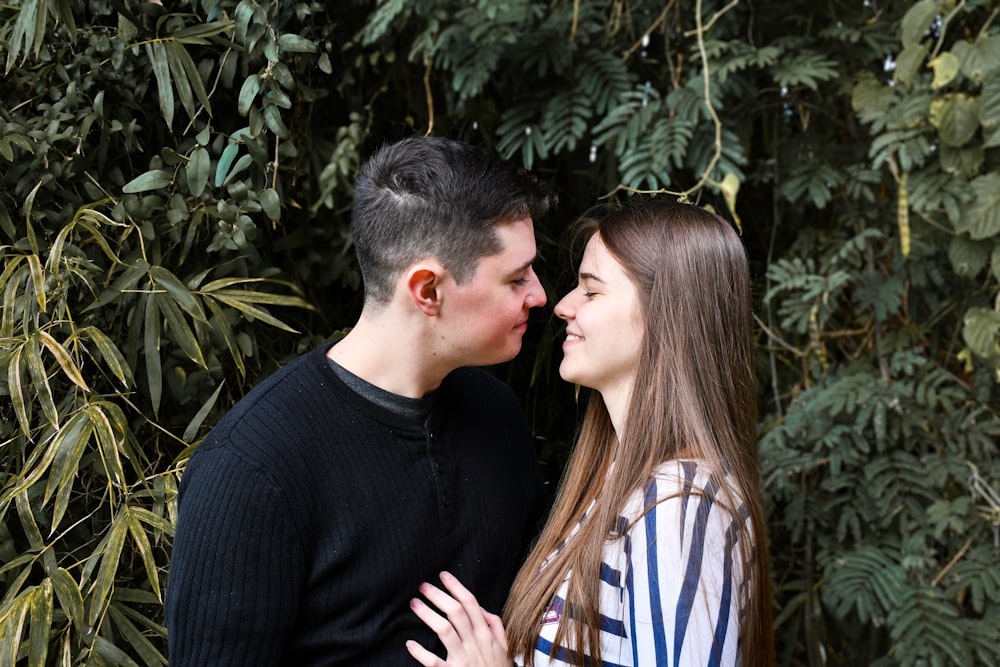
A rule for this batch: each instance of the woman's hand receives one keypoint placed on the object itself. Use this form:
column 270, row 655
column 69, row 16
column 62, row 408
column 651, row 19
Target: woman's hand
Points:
column 473, row 636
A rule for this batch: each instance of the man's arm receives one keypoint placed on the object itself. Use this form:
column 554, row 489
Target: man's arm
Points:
column 234, row 580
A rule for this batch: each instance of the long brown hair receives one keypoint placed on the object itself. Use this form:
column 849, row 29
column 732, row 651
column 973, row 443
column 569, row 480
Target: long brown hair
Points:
column 692, row 276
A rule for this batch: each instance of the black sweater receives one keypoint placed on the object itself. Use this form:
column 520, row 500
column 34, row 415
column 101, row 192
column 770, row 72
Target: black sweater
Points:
column 309, row 516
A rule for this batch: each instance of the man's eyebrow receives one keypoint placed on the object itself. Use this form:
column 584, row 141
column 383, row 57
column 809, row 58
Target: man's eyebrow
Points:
column 524, row 267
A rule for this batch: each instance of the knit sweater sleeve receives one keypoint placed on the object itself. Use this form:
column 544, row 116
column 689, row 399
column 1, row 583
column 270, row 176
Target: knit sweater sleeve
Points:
column 681, row 577
column 235, row 570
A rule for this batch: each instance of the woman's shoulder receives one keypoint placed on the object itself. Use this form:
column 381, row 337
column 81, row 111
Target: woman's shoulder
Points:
column 678, row 482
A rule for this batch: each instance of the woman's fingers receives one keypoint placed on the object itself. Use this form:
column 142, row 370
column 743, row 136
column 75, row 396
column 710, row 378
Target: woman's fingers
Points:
column 423, row 656
column 495, row 625
column 457, row 614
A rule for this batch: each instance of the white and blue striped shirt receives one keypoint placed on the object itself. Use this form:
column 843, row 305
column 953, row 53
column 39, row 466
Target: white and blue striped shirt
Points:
column 670, row 582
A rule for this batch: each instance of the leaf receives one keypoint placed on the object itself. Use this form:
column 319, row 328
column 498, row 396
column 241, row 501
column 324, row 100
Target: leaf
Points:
column 968, row 257
column 180, row 332
column 41, row 623
column 197, row 171
column 38, row 280
column 248, row 93
column 70, row 599
column 979, row 60
column 110, row 353
column 254, row 312
column 963, row 162
column 295, row 44
column 10, row 638
column 151, row 180
column 956, row 117
column 157, row 54
column 40, row 380
column 110, row 551
column 981, row 217
column 65, row 360
column 138, row 533
column 225, row 162
column 908, row 63
column 67, row 450
column 192, row 428
column 730, row 187
column 151, row 351
column 945, row 69
column 174, row 52
column 164, row 279
column 272, row 118
column 980, row 330
column 270, row 201
column 917, row 21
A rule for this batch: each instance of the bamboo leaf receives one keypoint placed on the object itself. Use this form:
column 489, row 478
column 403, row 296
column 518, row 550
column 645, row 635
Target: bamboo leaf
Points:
column 70, row 598
column 65, row 360
column 22, row 408
column 251, row 296
column 199, row 34
column 40, row 381
column 222, row 324
column 163, row 278
column 110, row 353
column 136, row 639
column 110, row 554
column 173, row 50
column 157, row 55
column 125, row 282
column 13, row 628
column 107, row 442
column 179, row 330
column 151, row 351
column 256, row 313
column 41, row 623
column 114, row 655
column 67, row 450
column 138, row 533
column 37, row 280
column 199, row 417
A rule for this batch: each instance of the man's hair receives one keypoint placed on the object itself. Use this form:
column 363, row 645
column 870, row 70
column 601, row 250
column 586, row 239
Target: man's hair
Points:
column 430, row 197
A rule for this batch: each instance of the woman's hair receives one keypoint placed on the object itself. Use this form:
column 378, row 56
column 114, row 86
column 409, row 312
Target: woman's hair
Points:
column 692, row 277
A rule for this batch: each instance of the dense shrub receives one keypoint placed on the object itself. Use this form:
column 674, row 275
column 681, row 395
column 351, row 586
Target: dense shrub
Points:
column 174, row 188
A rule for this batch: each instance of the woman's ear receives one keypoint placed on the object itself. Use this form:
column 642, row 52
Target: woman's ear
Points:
column 423, row 286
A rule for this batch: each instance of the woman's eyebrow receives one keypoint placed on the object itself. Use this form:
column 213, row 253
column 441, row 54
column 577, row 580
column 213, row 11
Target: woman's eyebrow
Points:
column 590, row 276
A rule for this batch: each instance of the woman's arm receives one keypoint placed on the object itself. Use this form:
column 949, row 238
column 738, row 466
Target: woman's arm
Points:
column 473, row 636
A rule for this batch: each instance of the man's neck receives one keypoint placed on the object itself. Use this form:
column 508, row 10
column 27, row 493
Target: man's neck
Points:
column 391, row 354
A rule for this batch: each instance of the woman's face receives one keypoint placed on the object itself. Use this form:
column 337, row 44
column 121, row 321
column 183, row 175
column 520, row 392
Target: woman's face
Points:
column 604, row 326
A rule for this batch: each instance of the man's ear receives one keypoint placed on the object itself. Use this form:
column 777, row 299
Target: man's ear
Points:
column 423, row 286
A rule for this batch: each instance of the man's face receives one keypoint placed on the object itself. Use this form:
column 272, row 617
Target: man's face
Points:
column 488, row 314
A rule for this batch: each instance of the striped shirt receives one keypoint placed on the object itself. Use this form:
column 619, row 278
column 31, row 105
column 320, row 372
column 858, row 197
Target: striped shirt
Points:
column 669, row 582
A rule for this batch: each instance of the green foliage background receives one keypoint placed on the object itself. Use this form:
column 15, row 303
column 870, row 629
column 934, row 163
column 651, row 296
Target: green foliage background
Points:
column 174, row 193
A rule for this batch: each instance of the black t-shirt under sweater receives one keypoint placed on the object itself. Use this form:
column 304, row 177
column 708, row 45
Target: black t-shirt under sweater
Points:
column 311, row 513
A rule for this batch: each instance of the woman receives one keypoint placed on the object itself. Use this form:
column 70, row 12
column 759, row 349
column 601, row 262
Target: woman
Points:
column 655, row 552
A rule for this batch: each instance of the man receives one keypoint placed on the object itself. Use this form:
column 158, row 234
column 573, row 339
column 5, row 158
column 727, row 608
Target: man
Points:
column 316, row 507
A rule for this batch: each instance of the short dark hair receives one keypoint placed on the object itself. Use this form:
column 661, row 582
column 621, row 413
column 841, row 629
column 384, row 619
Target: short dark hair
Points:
column 426, row 197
